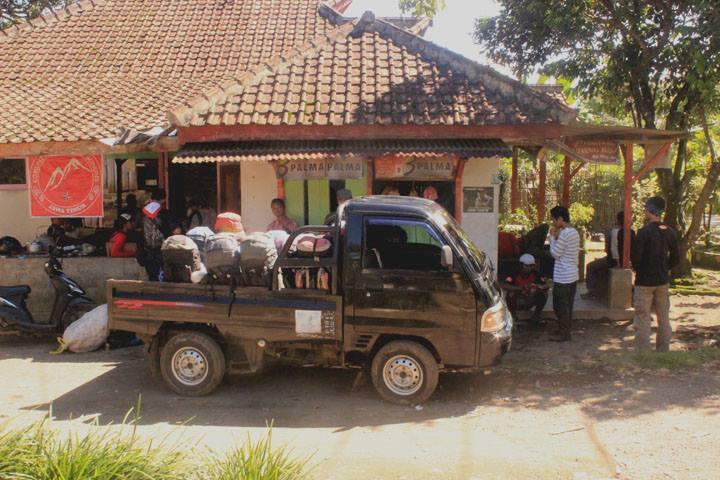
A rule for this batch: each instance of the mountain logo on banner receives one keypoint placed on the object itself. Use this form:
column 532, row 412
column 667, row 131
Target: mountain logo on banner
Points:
column 66, row 186
column 61, row 173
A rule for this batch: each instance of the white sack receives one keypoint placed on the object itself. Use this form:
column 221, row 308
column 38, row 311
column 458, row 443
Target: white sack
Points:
column 88, row 333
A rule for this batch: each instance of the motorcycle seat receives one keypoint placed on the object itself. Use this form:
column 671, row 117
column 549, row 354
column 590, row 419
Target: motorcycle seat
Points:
column 15, row 291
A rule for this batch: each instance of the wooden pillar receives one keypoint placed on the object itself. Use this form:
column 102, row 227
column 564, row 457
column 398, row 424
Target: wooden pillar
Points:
column 542, row 166
column 627, row 221
column 458, row 189
column 514, row 190
column 566, row 183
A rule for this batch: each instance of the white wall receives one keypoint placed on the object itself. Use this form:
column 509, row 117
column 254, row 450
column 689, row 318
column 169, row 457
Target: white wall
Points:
column 15, row 217
column 483, row 227
column 258, row 186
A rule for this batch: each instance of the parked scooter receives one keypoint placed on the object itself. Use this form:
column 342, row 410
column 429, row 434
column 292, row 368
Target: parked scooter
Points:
column 71, row 300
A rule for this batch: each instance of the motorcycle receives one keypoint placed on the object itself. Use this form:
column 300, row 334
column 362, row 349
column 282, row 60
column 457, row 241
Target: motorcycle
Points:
column 71, row 300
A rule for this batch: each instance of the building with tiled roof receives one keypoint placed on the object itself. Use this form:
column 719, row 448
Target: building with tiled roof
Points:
column 232, row 103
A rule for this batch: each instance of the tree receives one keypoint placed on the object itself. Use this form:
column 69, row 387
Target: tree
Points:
column 656, row 62
column 422, row 8
column 16, row 11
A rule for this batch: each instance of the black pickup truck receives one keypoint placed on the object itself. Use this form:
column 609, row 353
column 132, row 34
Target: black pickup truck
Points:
column 408, row 296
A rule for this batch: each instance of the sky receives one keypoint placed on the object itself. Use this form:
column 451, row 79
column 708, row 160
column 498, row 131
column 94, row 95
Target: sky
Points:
column 452, row 27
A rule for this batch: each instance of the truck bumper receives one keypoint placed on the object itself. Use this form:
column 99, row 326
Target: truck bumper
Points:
column 493, row 346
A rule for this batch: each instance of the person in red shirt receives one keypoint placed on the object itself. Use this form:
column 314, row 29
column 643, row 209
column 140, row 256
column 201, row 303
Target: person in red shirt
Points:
column 527, row 290
column 119, row 238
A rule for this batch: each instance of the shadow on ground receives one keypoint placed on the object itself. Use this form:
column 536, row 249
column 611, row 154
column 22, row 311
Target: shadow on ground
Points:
column 536, row 375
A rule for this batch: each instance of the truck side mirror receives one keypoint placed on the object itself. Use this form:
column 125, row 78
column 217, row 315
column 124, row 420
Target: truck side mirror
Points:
column 446, row 257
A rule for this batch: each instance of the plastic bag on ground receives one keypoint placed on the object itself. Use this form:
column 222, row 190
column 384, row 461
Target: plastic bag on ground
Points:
column 88, row 333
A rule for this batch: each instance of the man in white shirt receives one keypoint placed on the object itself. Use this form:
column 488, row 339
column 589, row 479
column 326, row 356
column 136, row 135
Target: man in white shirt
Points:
column 565, row 249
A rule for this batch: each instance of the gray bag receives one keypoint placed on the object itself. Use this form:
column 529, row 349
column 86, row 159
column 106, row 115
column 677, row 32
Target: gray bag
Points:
column 222, row 254
column 180, row 258
column 258, row 252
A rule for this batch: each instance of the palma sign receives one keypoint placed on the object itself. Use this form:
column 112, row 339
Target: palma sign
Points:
column 66, row 186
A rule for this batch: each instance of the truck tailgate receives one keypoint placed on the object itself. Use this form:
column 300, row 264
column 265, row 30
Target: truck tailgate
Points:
column 246, row 312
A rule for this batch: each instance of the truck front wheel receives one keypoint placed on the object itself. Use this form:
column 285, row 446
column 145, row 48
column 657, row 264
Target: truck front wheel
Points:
column 192, row 364
column 404, row 372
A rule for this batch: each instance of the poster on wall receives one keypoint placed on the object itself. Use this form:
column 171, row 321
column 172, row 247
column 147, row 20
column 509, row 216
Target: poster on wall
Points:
column 415, row 168
column 65, row 186
column 478, row 199
column 335, row 169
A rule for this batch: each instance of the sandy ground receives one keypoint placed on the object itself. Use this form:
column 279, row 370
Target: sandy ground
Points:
column 552, row 411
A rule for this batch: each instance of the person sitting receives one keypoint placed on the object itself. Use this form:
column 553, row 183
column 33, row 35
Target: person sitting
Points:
column 124, row 225
column 527, row 290
column 281, row 222
column 598, row 271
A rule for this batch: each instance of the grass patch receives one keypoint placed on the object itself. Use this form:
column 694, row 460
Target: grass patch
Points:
column 257, row 461
column 676, row 360
column 38, row 452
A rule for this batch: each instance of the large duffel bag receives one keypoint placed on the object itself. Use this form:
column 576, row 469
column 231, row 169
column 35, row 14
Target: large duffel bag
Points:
column 200, row 236
column 222, row 254
column 180, row 258
column 257, row 252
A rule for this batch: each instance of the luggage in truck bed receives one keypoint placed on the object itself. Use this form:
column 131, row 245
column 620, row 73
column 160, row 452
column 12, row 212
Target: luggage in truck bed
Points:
column 244, row 312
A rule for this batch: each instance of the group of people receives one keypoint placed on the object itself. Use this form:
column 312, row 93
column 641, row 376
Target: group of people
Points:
column 654, row 252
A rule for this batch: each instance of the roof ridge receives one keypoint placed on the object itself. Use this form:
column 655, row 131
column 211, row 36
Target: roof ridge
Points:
column 183, row 114
column 434, row 52
column 54, row 16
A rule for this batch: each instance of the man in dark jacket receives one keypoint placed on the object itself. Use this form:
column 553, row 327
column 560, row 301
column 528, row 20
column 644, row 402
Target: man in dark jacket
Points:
column 654, row 253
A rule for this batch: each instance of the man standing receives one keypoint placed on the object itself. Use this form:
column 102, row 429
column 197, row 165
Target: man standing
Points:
column 654, row 253
column 156, row 225
column 565, row 249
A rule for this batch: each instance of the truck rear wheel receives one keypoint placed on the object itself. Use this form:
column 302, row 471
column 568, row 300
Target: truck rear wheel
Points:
column 192, row 364
column 405, row 373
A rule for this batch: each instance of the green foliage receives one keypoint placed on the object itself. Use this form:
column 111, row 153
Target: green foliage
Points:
column 422, row 8
column 257, row 461
column 518, row 221
column 671, row 360
column 112, row 453
column 651, row 54
column 581, row 215
column 39, row 453
column 653, row 64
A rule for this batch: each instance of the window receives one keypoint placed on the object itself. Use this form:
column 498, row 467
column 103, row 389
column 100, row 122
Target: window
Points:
column 12, row 171
column 401, row 245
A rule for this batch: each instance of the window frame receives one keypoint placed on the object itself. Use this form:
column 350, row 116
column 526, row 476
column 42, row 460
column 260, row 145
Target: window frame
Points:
column 16, row 186
column 434, row 233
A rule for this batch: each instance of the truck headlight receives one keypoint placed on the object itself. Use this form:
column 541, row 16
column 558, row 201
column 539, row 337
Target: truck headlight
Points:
column 496, row 318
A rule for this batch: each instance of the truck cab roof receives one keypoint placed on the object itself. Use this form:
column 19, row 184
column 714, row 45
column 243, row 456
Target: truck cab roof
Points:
column 392, row 205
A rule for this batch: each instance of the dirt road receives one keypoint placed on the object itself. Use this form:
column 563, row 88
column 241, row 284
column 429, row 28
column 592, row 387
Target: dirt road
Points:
column 552, row 411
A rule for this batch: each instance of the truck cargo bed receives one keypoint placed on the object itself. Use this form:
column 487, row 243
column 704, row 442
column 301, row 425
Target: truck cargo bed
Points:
column 242, row 312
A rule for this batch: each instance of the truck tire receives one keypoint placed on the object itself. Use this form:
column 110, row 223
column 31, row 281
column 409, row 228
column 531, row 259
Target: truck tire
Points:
column 404, row 373
column 192, row 364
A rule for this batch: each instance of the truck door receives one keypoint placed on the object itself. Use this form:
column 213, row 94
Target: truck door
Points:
column 402, row 288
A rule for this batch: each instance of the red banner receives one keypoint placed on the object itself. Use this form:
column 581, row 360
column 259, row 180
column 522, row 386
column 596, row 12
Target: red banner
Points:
column 66, row 186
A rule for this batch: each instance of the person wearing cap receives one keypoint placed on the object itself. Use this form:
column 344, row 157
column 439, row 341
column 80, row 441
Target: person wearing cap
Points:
column 654, row 253
column 527, row 290
column 343, row 196
column 565, row 249
column 124, row 225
